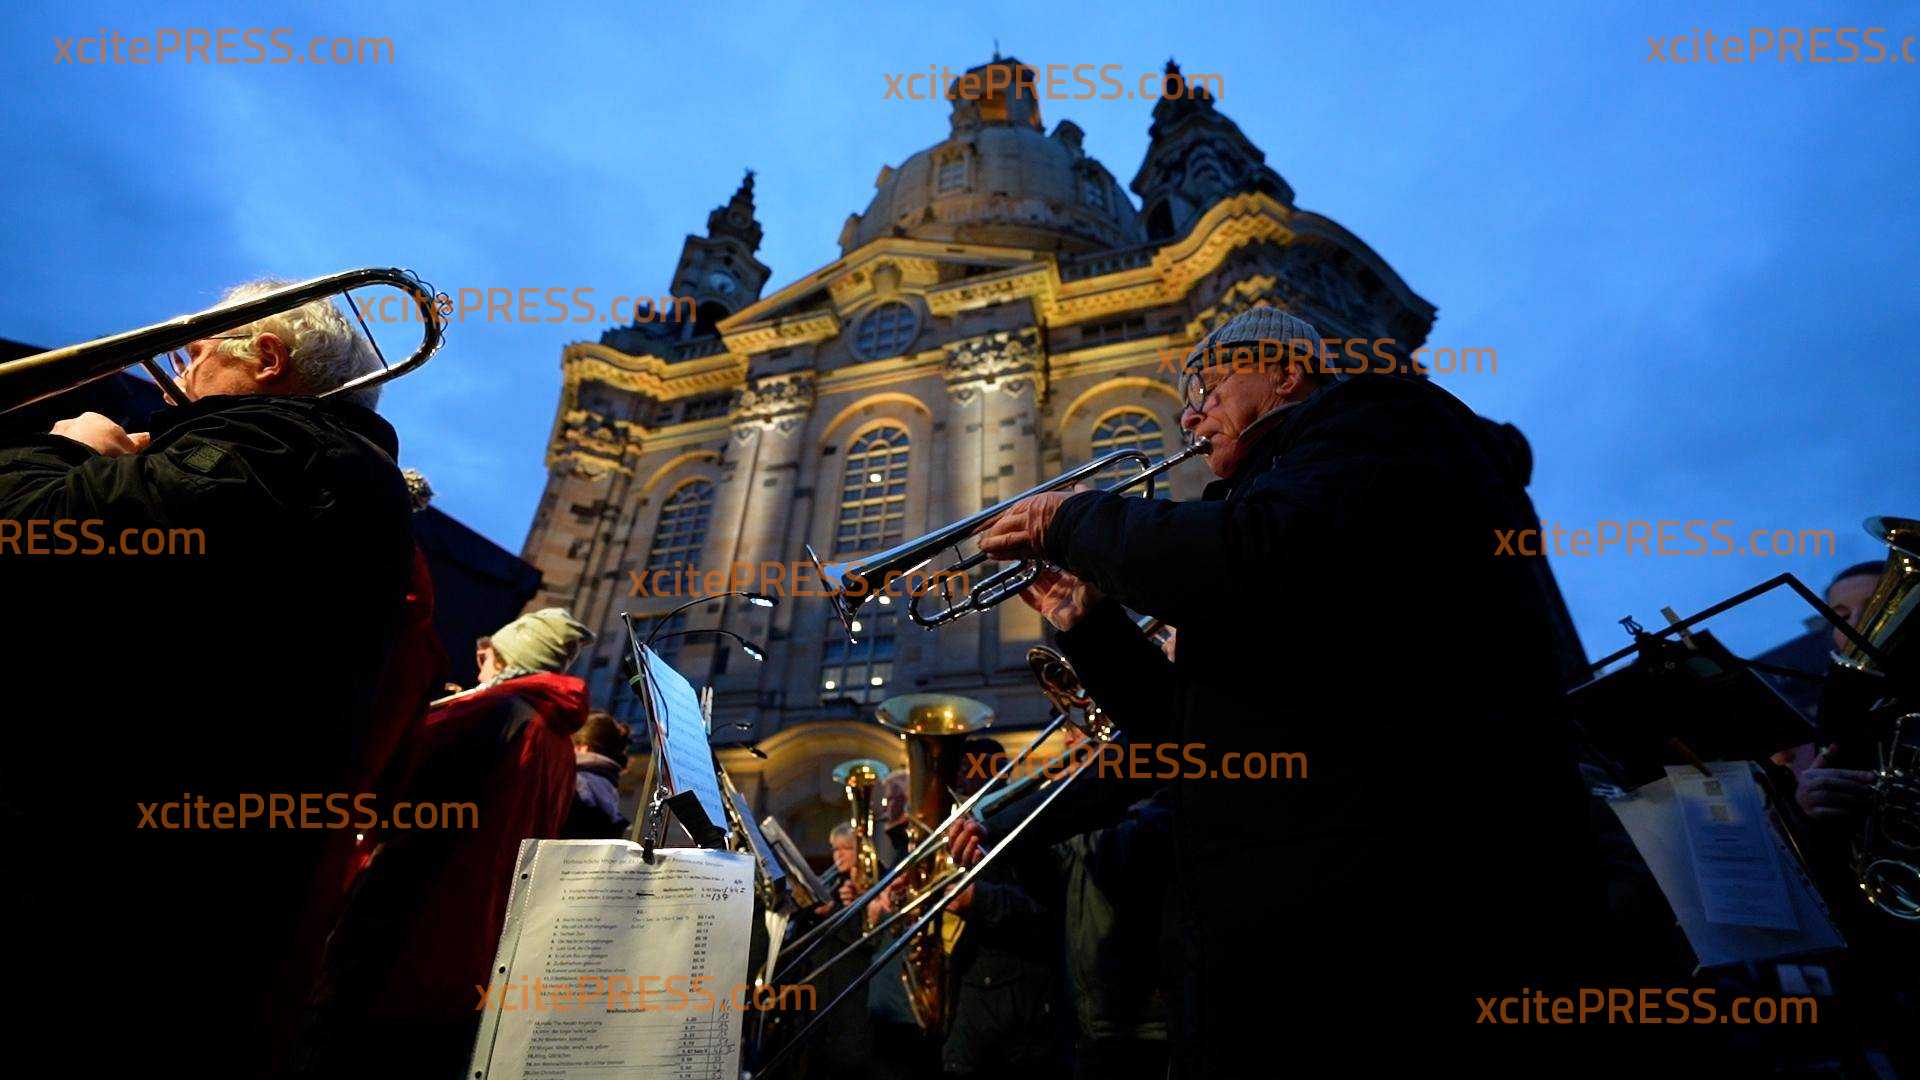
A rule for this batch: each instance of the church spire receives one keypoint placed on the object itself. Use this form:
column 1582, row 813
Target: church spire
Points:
column 736, row 219
column 1195, row 158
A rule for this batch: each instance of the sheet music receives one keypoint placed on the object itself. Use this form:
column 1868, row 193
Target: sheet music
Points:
column 1652, row 817
column 1733, row 857
column 617, row 968
column 776, row 873
column 689, row 757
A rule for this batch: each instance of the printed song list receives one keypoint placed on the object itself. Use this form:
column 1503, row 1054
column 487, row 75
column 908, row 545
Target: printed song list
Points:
column 621, row 969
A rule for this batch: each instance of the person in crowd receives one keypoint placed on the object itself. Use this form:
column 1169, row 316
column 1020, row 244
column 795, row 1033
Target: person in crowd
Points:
column 600, row 753
column 421, row 929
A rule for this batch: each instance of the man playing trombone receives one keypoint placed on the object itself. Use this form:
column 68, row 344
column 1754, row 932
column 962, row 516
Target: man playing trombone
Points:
column 1337, row 595
column 244, row 670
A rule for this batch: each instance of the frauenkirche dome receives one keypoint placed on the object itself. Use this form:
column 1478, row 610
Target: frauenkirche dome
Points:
column 998, row 179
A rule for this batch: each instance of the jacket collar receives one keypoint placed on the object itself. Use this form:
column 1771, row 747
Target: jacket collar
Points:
column 1274, row 435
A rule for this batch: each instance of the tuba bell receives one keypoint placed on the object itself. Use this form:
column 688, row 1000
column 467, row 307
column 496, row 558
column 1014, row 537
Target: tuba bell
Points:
column 1886, row 851
column 860, row 778
column 935, row 728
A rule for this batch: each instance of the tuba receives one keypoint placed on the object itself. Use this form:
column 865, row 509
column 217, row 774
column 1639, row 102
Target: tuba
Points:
column 1886, row 852
column 935, row 728
column 860, row 779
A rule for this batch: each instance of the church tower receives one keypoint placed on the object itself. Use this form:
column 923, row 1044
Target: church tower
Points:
column 1195, row 158
column 718, row 270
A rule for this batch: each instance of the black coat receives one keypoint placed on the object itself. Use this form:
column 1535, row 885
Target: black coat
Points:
column 245, row 666
column 1340, row 597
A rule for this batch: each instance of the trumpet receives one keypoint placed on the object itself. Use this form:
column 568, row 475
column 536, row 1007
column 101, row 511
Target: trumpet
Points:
column 852, row 584
column 56, row 371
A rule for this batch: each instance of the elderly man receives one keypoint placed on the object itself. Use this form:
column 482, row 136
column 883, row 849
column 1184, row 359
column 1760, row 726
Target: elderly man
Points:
column 1338, row 595
column 243, row 662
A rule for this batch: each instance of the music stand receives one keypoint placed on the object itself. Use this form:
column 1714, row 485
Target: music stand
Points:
column 1695, row 691
column 680, row 777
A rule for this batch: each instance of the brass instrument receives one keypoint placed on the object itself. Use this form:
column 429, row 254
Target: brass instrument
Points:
column 929, row 721
column 860, row 779
column 935, row 728
column 43, row 375
column 1884, row 619
column 1886, row 852
column 851, row 584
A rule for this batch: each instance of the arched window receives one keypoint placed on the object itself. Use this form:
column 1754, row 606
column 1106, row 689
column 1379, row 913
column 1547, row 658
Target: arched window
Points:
column 1160, row 222
column 682, row 529
column 1128, row 429
column 873, row 492
column 706, row 318
column 861, row 670
column 885, row 331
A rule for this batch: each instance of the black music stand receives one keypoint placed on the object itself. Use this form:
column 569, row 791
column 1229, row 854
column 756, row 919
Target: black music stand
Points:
column 1690, row 698
column 681, row 776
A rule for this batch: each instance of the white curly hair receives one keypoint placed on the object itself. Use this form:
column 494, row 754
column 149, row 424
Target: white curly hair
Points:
column 325, row 349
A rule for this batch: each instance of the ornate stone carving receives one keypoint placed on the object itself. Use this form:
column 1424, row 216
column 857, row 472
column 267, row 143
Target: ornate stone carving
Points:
column 592, row 444
column 1009, row 359
column 1245, row 294
column 775, row 403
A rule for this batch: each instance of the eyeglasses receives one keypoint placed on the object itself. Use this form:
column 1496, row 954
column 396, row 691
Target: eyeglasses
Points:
column 180, row 359
column 1196, row 391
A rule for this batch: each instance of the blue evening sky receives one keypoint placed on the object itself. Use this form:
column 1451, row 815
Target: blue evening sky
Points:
column 1699, row 278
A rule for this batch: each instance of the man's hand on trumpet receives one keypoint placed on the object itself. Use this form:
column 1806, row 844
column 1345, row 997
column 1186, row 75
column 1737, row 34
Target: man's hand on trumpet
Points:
column 1059, row 597
column 1021, row 532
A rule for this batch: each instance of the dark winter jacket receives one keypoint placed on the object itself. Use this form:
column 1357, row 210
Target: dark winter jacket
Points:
column 242, row 665
column 1340, row 597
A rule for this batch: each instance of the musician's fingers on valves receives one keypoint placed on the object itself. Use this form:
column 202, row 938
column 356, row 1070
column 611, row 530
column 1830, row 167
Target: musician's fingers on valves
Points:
column 1021, row 532
column 1829, row 794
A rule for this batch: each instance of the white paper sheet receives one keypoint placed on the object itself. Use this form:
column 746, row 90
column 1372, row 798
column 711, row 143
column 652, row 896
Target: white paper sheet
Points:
column 1734, row 862
column 1651, row 815
column 615, row 968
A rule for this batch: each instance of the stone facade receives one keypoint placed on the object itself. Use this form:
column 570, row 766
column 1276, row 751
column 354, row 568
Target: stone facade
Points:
column 999, row 313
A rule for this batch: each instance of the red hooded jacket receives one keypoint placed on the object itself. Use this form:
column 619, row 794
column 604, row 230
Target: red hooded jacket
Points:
column 508, row 750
